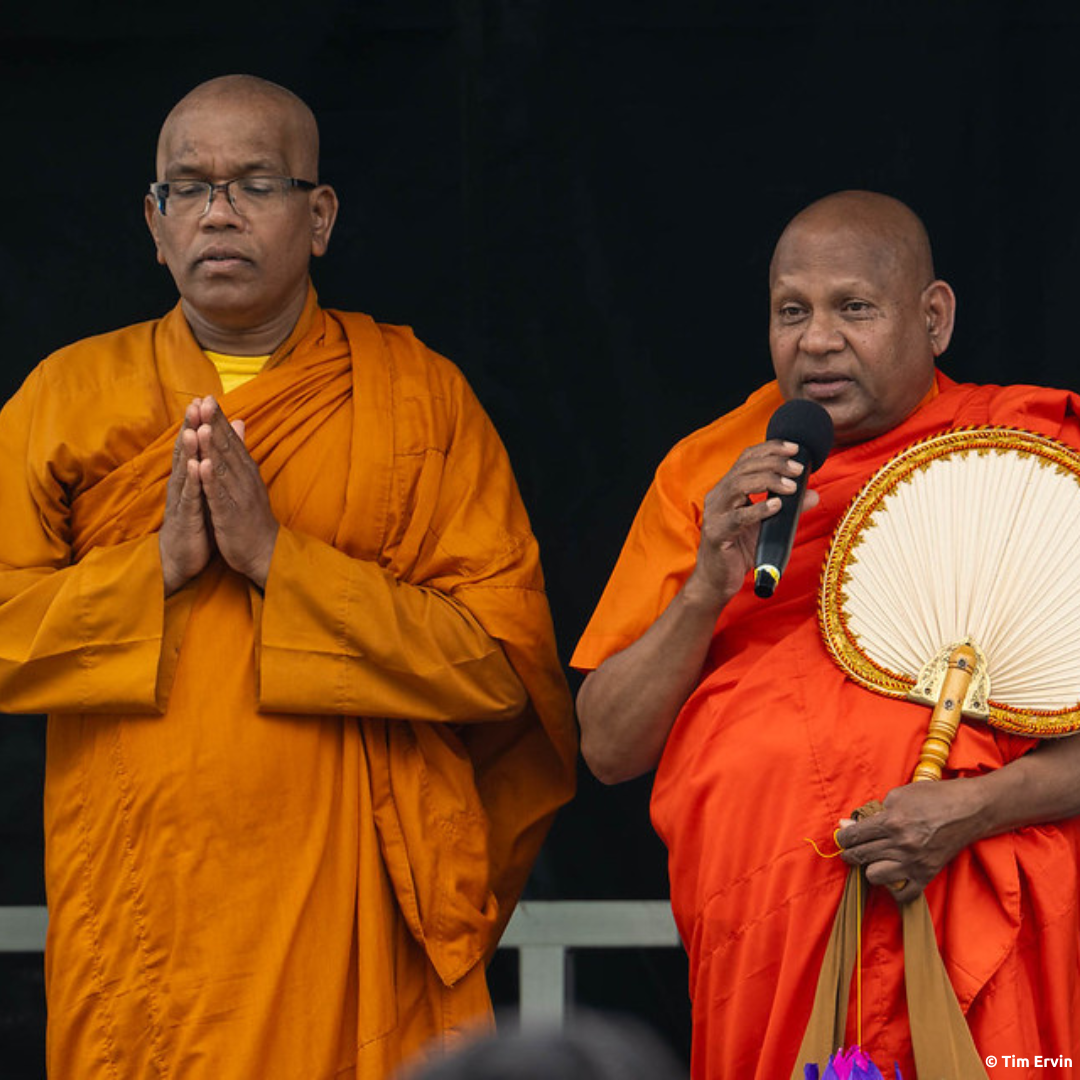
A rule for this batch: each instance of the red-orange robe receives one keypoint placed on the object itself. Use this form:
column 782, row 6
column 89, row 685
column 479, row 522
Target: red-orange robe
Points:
column 283, row 831
column 776, row 745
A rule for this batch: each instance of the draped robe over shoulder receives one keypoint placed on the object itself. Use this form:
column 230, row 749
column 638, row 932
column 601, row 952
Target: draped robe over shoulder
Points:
column 284, row 830
column 775, row 745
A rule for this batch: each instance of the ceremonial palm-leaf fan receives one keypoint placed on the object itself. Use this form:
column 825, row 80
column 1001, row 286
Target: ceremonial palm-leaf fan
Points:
column 965, row 545
column 953, row 580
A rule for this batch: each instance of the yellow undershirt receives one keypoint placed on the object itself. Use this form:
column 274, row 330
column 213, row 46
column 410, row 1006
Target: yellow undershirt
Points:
column 234, row 371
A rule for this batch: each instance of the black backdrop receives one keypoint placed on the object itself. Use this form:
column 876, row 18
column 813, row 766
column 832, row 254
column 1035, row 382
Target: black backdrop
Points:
column 576, row 201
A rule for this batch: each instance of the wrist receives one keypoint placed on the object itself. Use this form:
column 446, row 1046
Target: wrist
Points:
column 703, row 596
column 171, row 579
column 979, row 808
column 260, row 571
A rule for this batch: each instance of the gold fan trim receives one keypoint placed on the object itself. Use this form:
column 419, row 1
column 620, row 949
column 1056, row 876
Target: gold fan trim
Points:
column 839, row 639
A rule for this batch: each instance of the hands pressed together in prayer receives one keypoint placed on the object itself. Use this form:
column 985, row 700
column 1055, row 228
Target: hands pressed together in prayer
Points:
column 215, row 499
column 921, row 828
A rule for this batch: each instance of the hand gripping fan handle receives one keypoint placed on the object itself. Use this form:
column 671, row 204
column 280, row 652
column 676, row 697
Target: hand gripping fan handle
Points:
column 947, row 715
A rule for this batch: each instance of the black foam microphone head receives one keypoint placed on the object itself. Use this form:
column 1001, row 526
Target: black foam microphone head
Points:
column 806, row 423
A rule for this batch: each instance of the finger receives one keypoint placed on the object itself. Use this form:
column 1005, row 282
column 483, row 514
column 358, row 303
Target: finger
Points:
column 782, row 448
column 192, row 489
column 892, row 876
column 226, row 436
column 742, row 517
column 178, row 458
column 868, row 854
column 213, row 473
column 775, row 455
column 865, row 831
column 736, row 527
column 186, row 509
column 885, row 871
column 184, row 449
column 222, row 433
column 748, row 485
column 771, row 472
column 205, row 435
column 188, row 445
column 218, row 443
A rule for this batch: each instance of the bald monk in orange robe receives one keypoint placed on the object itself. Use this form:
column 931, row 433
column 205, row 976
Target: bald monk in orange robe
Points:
column 308, row 726
column 759, row 739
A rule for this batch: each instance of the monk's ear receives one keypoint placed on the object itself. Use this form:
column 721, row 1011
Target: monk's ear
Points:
column 939, row 308
column 153, row 223
column 324, row 209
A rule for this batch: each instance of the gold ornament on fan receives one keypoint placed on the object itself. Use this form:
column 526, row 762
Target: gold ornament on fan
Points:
column 953, row 580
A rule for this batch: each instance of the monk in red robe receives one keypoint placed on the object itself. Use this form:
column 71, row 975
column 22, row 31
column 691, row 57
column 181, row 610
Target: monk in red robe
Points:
column 758, row 738
column 267, row 568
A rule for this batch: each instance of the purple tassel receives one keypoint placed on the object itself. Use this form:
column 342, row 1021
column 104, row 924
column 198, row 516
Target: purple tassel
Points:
column 849, row 1064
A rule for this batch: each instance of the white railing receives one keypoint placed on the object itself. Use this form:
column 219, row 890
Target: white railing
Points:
column 22, row 929
column 544, row 932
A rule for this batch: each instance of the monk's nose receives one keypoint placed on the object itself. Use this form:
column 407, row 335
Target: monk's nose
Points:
column 821, row 335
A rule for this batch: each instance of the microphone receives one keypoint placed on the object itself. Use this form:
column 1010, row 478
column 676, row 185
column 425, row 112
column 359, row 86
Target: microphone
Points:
column 808, row 424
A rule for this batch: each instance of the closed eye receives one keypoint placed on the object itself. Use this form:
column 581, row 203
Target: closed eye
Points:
column 259, row 186
column 187, row 189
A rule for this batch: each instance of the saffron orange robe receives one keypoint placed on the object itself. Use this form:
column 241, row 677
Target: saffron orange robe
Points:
column 775, row 745
column 284, row 830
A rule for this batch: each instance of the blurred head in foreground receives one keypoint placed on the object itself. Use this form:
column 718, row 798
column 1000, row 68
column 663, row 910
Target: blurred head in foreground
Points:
column 589, row 1047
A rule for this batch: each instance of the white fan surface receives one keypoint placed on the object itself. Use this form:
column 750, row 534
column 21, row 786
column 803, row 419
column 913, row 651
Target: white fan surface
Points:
column 969, row 535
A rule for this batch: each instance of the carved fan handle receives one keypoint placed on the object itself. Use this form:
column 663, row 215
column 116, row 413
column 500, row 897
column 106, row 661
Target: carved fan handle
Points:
column 947, row 714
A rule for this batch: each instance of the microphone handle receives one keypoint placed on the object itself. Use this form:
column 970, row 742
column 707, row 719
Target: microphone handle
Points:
column 777, row 534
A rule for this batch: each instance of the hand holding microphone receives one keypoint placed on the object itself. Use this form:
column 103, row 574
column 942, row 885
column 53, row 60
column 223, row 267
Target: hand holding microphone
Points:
column 809, row 425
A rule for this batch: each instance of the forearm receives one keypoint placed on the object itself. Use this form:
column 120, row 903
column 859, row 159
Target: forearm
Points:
column 627, row 707
column 1041, row 786
column 342, row 635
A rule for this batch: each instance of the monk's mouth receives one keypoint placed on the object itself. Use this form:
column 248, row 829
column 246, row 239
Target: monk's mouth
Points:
column 824, row 389
column 222, row 261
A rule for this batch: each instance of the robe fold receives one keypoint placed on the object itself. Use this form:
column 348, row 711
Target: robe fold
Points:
column 284, row 830
column 775, row 745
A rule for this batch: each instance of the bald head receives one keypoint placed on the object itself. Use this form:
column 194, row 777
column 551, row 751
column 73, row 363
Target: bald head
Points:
column 857, row 317
column 890, row 232
column 279, row 107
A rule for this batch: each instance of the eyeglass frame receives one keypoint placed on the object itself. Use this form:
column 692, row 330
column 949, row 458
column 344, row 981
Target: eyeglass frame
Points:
column 159, row 189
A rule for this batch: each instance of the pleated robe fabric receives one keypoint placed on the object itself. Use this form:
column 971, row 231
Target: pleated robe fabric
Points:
column 283, row 831
column 776, row 745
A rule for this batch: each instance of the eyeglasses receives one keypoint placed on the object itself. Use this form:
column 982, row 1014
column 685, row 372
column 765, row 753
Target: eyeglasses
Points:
column 249, row 196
